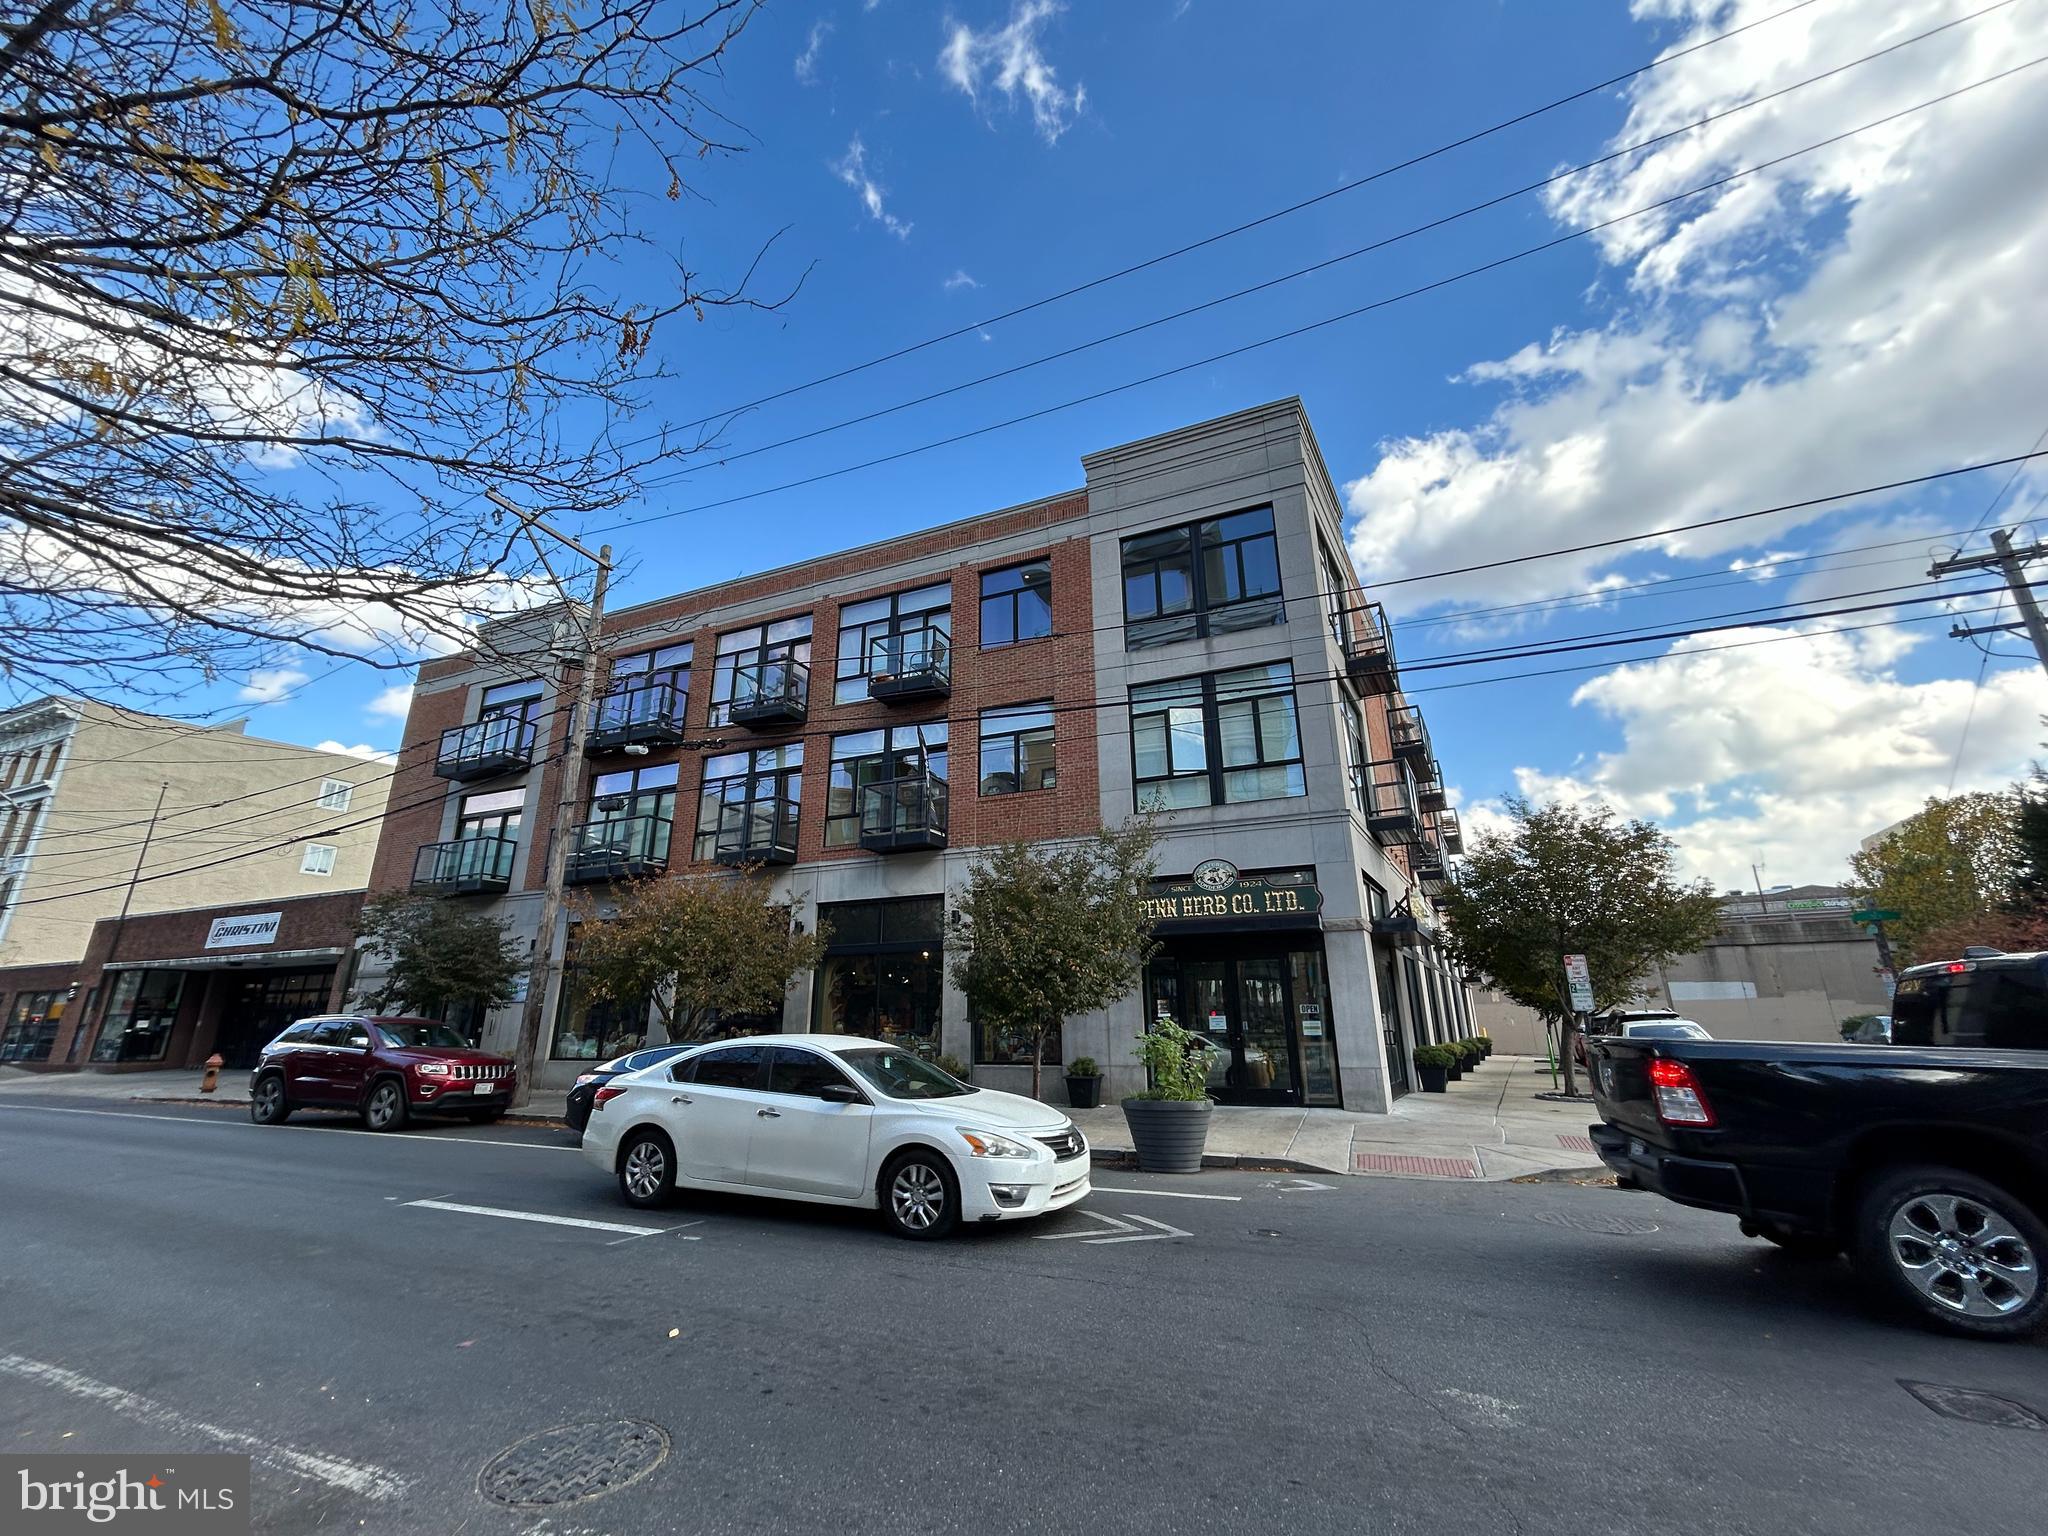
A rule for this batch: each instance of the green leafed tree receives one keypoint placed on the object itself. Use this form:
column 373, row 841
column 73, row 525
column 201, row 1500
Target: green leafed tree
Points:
column 1573, row 880
column 700, row 949
column 437, row 954
column 1945, row 867
column 1039, row 933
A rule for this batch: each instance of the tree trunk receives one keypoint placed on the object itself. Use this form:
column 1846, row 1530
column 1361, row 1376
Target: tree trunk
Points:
column 1567, row 1032
column 1037, row 1057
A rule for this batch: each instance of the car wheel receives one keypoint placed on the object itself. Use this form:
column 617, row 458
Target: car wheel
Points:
column 1802, row 1245
column 920, row 1196
column 647, row 1169
column 267, row 1103
column 1962, row 1252
column 385, row 1110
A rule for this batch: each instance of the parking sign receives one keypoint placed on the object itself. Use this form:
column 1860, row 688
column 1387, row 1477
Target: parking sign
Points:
column 1579, row 981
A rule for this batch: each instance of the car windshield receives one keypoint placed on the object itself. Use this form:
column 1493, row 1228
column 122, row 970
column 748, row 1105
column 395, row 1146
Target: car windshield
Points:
column 901, row 1075
column 416, row 1034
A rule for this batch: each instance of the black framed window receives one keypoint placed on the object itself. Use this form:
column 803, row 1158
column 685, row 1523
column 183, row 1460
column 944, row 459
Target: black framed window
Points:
column 1206, row 578
column 1360, row 751
column 765, row 777
column 1016, row 604
column 520, row 700
column 1217, row 740
column 883, row 975
column 1017, row 749
column 670, row 664
column 141, row 1010
column 997, row 1046
column 872, row 757
column 634, row 792
column 495, row 814
column 588, row 1028
column 32, row 1026
column 864, row 629
column 1336, row 595
column 760, row 644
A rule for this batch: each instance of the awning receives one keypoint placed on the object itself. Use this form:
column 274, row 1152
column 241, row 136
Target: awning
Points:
column 266, row 960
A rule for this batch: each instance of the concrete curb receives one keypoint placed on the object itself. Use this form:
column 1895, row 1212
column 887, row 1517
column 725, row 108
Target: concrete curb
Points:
column 1125, row 1157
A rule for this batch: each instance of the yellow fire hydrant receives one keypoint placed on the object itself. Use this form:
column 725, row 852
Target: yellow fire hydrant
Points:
column 212, row 1079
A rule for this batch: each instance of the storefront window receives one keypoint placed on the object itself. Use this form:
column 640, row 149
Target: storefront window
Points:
column 587, row 1029
column 140, row 1012
column 884, row 971
column 998, row 1046
column 32, row 1026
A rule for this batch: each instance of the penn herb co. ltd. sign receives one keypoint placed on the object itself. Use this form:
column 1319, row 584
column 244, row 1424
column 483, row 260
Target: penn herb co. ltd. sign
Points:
column 1216, row 894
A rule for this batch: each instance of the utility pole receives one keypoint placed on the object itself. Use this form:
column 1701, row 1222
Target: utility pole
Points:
column 2010, row 563
column 540, row 975
column 121, row 922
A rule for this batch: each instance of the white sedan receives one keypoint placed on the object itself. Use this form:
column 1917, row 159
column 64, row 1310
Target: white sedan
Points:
column 836, row 1120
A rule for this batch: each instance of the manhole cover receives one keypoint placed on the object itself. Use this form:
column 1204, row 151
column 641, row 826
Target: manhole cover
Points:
column 572, row 1462
column 1589, row 1221
column 1974, row 1407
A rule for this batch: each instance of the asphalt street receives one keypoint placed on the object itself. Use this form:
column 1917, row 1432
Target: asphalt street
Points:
column 375, row 1318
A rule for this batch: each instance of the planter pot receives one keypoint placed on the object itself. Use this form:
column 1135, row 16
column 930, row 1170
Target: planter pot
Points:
column 1454, row 1073
column 1169, row 1134
column 1434, row 1079
column 1084, row 1092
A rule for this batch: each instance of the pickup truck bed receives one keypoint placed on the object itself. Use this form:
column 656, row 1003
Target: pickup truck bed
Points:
column 1928, row 1163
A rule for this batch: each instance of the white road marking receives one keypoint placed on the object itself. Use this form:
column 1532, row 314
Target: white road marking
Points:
column 1164, row 1194
column 539, row 1216
column 342, row 1130
column 1163, row 1233
column 690, row 1237
column 1294, row 1186
column 1109, row 1224
column 1114, row 1231
column 358, row 1477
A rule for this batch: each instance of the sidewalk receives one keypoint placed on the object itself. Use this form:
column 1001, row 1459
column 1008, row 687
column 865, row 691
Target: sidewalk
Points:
column 1490, row 1125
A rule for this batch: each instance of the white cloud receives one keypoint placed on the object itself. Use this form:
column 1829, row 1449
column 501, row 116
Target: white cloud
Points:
column 960, row 279
column 1867, row 312
column 394, row 703
column 852, row 168
column 361, row 749
column 1788, row 754
column 272, row 685
column 1010, row 61
column 807, row 61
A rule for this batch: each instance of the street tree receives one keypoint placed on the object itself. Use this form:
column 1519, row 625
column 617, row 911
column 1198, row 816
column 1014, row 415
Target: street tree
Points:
column 1952, row 863
column 1572, row 880
column 437, row 954
column 700, row 949
column 286, row 286
column 1041, row 932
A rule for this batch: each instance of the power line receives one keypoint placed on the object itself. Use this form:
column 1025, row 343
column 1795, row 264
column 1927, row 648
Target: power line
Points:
column 1237, row 229
column 722, row 460
column 1301, row 330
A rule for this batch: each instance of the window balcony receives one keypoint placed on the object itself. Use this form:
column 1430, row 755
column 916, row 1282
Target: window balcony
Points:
column 915, row 665
column 491, row 747
column 1410, row 736
column 1368, row 643
column 622, row 848
column 1430, row 793
column 1391, row 808
column 1426, row 862
column 770, row 693
column 756, row 832
column 469, row 866
column 1448, row 832
column 642, row 714
column 903, row 815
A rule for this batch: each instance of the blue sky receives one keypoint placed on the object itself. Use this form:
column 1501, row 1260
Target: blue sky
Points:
column 1859, row 315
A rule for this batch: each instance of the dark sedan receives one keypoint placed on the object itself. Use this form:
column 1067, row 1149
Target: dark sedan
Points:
column 584, row 1093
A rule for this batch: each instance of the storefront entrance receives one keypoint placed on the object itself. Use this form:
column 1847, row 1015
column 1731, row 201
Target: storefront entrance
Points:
column 1263, row 1004
column 256, row 1006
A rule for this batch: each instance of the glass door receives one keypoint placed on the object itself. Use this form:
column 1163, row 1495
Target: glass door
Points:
column 1262, row 1048
column 1206, row 986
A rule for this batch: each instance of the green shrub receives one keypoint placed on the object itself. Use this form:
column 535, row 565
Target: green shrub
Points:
column 952, row 1064
column 1083, row 1066
column 1435, row 1056
column 1178, row 1059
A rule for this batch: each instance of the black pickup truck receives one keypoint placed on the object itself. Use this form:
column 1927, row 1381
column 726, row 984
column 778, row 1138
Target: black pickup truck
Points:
column 1927, row 1160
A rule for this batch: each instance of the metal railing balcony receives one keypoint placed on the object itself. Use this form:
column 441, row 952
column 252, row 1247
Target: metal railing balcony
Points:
column 917, row 664
column 1426, row 861
column 770, row 693
column 1448, row 832
column 499, row 744
column 1368, row 642
column 618, row 848
column 468, row 866
column 639, row 714
column 1410, row 736
column 903, row 815
column 756, row 832
column 1429, row 787
column 1392, row 811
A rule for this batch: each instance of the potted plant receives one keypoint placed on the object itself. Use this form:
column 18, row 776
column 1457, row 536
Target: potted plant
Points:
column 1170, row 1120
column 1084, row 1083
column 953, row 1066
column 1454, row 1064
column 1432, row 1065
column 1469, row 1049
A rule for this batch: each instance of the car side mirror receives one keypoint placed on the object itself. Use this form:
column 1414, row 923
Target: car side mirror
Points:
column 358, row 1042
column 841, row 1093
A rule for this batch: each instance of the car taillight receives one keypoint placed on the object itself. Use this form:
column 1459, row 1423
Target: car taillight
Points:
column 604, row 1096
column 1679, row 1100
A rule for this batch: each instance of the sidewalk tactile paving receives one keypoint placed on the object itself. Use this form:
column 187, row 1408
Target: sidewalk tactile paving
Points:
column 1395, row 1162
column 1576, row 1143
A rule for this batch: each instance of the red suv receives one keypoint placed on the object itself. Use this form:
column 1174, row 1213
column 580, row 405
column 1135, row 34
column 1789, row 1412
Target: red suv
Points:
column 385, row 1069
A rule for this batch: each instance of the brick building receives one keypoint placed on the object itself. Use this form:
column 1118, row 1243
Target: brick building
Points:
column 1183, row 633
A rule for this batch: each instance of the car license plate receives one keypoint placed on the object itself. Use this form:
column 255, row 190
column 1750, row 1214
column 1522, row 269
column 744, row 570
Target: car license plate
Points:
column 484, row 1088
